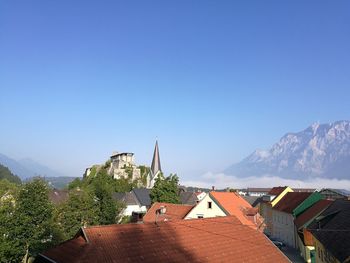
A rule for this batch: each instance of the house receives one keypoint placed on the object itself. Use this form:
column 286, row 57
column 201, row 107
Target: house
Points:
column 131, row 203
column 166, row 212
column 333, row 194
column 268, row 202
column 331, row 233
column 200, row 195
column 188, row 198
column 301, row 222
column 156, row 168
column 206, row 208
column 254, row 201
column 216, row 204
column 254, row 191
column 222, row 239
column 136, row 201
column 284, row 212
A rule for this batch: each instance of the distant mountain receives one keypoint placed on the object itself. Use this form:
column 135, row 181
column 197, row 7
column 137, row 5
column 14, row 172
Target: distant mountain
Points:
column 26, row 168
column 58, row 182
column 321, row 150
column 15, row 167
column 38, row 168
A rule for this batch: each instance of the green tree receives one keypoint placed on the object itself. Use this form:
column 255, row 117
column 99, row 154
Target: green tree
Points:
column 27, row 223
column 8, row 188
column 76, row 183
column 79, row 210
column 165, row 189
column 11, row 249
column 103, row 193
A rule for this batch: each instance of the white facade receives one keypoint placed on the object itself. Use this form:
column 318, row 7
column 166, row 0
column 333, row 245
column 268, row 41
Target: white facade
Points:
column 205, row 208
column 120, row 162
column 283, row 227
column 133, row 208
column 200, row 196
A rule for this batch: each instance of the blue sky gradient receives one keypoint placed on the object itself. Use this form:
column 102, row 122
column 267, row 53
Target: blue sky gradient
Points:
column 213, row 80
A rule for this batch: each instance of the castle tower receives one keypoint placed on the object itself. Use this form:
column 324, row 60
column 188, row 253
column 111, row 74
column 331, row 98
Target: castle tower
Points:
column 155, row 167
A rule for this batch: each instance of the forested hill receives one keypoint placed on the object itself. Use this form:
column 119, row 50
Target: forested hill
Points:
column 5, row 173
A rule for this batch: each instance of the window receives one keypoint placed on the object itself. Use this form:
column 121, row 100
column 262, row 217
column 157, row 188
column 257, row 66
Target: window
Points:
column 209, row 205
column 199, row 216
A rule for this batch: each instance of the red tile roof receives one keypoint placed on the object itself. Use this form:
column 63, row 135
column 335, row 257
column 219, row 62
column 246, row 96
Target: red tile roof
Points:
column 173, row 212
column 220, row 239
column 237, row 206
column 311, row 212
column 277, row 190
column 290, row 201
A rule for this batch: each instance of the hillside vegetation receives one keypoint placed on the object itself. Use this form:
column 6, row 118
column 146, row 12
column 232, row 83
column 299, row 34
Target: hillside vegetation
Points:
column 5, row 173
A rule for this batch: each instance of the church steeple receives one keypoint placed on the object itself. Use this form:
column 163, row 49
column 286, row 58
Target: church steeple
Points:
column 155, row 166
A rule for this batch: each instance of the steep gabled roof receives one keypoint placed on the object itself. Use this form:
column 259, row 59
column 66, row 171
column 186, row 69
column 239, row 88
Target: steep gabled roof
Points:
column 222, row 239
column 332, row 229
column 142, row 195
column 173, row 212
column 310, row 213
column 290, row 201
column 127, row 198
column 188, row 198
column 277, row 190
column 234, row 204
column 252, row 200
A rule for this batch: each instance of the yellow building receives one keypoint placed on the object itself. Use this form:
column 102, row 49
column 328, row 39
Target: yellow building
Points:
column 269, row 201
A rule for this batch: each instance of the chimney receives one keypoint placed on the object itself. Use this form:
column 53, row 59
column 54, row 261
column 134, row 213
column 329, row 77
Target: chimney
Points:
column 213, row 188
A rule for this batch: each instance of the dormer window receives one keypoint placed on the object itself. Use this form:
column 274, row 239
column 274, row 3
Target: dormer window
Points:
column 209, row 205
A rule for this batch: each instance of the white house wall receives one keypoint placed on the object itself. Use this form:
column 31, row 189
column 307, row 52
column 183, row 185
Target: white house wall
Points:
column 202, row 210
column 283, row 227
column 133, row 208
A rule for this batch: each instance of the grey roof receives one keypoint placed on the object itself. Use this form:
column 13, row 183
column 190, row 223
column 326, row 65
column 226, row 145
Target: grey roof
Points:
column 127, row 198
column 252, row 200
column 332, row 229
column 142, row 195
column 188, row 198
column 155, row 166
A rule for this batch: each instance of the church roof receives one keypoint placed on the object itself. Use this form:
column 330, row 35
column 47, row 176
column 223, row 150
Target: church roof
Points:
column 155, row 166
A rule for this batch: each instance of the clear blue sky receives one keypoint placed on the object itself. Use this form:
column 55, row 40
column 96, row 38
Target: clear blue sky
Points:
column 213, row 80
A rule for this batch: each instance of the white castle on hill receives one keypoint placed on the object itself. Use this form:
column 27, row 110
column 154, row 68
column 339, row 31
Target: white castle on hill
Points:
column 122, row 165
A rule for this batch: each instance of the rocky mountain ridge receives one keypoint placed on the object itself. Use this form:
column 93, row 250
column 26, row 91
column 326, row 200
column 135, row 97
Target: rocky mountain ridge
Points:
column 321, row 150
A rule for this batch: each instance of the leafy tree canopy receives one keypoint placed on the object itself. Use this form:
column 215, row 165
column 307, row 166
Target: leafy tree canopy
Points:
column 28, row 226
column 165, row 189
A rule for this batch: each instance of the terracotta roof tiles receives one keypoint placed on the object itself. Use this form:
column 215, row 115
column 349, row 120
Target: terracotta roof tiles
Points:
column 236, row 205
column 173, row 212
column 221, row 239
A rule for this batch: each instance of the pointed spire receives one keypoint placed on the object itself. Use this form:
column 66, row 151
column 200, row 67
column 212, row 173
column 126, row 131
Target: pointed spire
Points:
column 155, row 167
